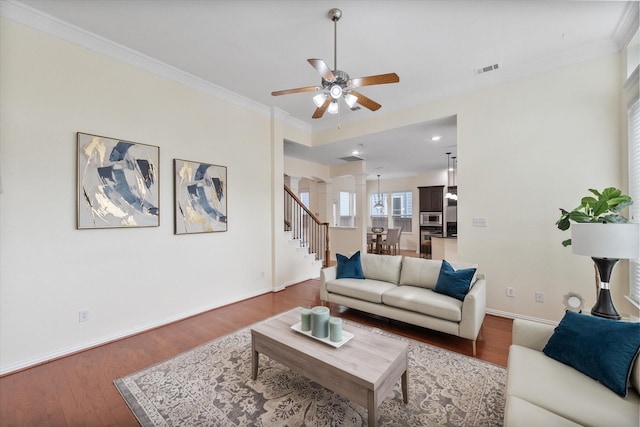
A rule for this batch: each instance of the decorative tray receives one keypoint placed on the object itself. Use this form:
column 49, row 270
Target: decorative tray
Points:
column 346, row 336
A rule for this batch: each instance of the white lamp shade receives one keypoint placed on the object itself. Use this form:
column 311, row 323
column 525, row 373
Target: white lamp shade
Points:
column 335, row 91
column 333, row 108
column 351, row 100
column 319, row 99
column 619, row 241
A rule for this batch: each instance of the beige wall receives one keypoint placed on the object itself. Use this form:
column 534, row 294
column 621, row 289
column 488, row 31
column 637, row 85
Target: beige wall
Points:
column 128, row 279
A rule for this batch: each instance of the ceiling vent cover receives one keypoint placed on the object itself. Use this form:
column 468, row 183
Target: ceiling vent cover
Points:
column 487, row 68
column 351, row 158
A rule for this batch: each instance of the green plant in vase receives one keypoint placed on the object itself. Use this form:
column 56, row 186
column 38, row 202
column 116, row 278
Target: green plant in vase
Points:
column 602, row 233
column 605, row 207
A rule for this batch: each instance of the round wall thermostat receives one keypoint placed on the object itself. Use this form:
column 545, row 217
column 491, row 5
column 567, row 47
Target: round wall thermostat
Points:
column 573, row 302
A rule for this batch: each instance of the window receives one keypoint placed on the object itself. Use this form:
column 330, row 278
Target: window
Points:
column 379, row 217
column 634, row 192
column 304, row 198
column 347, row 209
column 402, row 210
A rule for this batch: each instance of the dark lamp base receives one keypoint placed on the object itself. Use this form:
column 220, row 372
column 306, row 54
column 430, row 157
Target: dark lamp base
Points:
column 604, row 306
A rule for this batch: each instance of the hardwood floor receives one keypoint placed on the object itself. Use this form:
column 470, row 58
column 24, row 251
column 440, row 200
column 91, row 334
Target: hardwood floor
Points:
column 78, row 390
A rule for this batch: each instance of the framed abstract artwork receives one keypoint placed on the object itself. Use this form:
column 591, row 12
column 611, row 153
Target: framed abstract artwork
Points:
column 200, row 197
column 117, row 183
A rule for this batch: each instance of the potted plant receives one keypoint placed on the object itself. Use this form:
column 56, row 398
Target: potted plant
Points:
column 603, row 209
column 603, row 234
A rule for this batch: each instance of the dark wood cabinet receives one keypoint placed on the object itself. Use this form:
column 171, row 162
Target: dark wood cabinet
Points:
column 431, row 198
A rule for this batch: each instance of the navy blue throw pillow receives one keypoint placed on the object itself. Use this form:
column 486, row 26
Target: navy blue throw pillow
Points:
column 603, row 349
column 349, row 268
column 452, row 282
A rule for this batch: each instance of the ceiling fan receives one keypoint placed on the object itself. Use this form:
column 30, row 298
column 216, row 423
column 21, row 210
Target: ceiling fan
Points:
column 336, row 84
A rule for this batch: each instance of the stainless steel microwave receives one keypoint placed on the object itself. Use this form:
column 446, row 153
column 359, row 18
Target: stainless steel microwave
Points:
column 430, row 218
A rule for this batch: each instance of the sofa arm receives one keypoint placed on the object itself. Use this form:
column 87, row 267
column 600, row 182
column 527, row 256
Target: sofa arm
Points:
column 473, row 309
column 531, row 334
column 326, row 275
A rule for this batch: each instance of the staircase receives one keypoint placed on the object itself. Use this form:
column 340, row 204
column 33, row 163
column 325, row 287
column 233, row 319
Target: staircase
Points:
column 307, row 239
column 301, row 264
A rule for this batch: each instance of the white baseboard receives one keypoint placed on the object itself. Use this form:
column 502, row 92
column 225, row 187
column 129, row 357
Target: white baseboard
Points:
column 509, row 315
column 86, row 345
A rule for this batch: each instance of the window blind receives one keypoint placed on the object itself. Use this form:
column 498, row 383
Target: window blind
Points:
column 634, row 192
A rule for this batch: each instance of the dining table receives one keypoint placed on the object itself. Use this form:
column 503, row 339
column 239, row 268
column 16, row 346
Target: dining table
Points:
column 378, row 237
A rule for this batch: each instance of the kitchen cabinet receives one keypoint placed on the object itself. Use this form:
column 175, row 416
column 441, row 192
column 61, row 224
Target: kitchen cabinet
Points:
column 431, row 198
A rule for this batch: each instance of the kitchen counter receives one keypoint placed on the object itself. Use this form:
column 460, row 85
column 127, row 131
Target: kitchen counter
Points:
column 444, row 248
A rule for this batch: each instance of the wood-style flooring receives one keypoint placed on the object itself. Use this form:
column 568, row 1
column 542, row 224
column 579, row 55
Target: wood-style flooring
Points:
column 78, row 390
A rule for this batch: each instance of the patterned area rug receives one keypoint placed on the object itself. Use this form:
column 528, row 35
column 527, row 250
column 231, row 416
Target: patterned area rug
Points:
column 211, row 385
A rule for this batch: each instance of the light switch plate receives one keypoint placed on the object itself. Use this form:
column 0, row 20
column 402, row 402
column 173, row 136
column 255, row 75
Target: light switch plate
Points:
column 479, row 222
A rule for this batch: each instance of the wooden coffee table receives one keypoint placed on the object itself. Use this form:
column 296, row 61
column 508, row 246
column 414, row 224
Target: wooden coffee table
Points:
column 363, row 370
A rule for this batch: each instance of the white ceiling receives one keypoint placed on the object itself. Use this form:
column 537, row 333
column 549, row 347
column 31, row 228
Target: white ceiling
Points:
column 253, row 47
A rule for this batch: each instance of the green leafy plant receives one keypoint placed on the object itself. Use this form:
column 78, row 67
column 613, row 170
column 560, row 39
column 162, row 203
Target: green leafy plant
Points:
column 605, row 208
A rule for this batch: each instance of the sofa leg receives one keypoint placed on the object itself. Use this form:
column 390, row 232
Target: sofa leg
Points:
column 474, row 347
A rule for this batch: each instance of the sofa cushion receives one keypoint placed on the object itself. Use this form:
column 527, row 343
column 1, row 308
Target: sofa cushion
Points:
column 454, row 283
column 424, row 301
column 349, row 267
column 556, row 387
column 519, row 412
column 385, row 268
column 603, row 349
column 420, row 272
column 424, row 272
column 366, row 290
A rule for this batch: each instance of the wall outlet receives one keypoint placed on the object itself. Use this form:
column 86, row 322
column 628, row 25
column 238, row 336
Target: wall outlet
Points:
column 479, row 222
column 539, row 296
column 511, row 292
column 83, row 316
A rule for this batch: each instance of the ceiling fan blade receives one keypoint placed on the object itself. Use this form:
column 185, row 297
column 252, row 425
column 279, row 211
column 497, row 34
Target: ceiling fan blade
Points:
column 322, row 68
column 320, row 110
column 374, row 80
column 297, row 90
column 366, row 102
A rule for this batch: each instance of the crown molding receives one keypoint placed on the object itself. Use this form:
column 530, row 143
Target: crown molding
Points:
column 628, row 24
column 37, row 20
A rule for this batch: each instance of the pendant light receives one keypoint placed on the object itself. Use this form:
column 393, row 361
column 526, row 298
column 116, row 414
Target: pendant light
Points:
column 454, row 196
column 448, row 195
column 379, row 206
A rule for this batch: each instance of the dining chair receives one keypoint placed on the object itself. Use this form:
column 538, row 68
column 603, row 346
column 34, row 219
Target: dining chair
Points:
column 371, row 241
column 392, row 241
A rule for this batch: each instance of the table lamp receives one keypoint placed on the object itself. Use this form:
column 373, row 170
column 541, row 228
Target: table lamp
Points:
column 606, row 244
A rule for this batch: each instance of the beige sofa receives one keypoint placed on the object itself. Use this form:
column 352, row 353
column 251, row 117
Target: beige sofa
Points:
column 401, row 288
column 544, row 392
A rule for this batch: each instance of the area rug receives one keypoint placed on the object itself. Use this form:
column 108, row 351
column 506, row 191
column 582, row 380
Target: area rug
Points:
column 211, row 385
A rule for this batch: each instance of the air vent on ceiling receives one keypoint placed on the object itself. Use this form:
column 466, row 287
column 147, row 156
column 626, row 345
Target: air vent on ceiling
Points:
column 351, row 158
column 487, row 68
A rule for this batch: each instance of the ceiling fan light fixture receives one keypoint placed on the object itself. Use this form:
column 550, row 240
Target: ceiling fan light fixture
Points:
column 335, row 91
column 337, row 83
column 351, row 100
column 319, row 99
column 333, row 108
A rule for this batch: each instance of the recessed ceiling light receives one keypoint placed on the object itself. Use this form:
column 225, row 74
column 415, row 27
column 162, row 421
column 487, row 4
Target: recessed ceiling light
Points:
column 436, row 138
column 355, row 152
